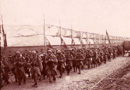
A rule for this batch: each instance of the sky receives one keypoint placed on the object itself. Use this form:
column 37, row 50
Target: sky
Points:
column 95, row 16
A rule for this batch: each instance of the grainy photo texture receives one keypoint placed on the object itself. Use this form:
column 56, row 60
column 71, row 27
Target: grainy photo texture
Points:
column 65, row 44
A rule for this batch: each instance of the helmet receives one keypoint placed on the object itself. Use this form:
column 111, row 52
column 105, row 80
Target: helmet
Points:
column 41, row 55
column 58, row 51
column 18, row 52
column 33, row 52
column 49, row 51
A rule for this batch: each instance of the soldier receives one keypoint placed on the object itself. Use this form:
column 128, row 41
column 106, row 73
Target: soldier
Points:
column 69, row 58
column 99, row 56
column 94, row 62
column 104, row 55
column 91, row 57
column 61, row 60
column 97, row 59
column 74, row 60
column 116, row 51
column 50, row 66
column 36, row 68
column 44, row 62
column 87, row 58
column 41, row 51
column 107, row 54
column 1, row 72
column 27, row 66
column 6, row 70
column 79, row 59
column 121, row 50
column 20, row 62
column 83, row 61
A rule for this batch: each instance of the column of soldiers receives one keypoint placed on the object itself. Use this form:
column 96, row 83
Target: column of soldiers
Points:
column 39, row 65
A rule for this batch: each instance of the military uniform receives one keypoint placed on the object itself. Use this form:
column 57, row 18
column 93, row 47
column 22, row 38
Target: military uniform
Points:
column 51, row 67
column 87, row 56
column 36, row 67
column 79, row 62
column 20, row 63
column 69, row 59
column 6, row 70
column 61, row 64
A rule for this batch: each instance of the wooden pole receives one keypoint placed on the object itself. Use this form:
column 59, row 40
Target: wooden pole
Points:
column 60, row 34
column 71, row 35
column 44, row 32
column 71, row 31
column 4, row 37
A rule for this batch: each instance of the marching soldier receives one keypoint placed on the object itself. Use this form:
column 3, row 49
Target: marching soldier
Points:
column 1, row 72
column 51, row 66
column 101, row 55
column 20, row 62
column 91, row 57
column 6, row 69
column 61, row 60
column 69, row 58
column 87, row 58
column 94, row 60
column 104, row 55
column 36, row 68
column 79, row 59
column 73, row 52
column 46, row 63
column 97, row 57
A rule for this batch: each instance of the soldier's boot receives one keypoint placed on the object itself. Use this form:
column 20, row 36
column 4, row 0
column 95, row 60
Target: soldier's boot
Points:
column 16, row 77
column 43, row 77
column 79, row 70
column 35, row 80
column 89, row 66
column 29, row 76
column 60, row 74
column 67, row 72
column 74, row 69
column 19, row 81
column 24, row 79
column 35, row 85
column 50, row 78
column 6, row 78
column 7, row 81
column 54, row 78
column 82, row 67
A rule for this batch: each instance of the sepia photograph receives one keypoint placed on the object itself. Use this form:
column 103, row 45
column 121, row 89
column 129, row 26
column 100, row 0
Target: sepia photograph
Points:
column 65, row 44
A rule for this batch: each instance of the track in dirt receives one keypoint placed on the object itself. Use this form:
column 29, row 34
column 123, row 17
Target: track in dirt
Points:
column 119, row 80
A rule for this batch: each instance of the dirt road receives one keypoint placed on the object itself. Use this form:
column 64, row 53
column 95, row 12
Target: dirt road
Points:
column 119, row 80
column 87, row 80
